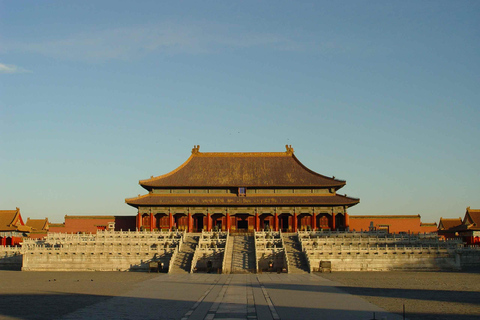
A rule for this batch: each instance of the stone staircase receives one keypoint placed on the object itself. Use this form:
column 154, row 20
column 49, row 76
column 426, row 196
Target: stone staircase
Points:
column 183, row 260
column 243, row 254
column 297, row 262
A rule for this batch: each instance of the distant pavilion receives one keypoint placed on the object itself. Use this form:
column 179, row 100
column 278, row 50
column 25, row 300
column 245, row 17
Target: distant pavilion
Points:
column 12, row 227
column 242, row 192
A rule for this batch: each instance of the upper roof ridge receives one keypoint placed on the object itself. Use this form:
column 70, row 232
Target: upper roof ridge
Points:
column 196, row 149
column 241, row 154
column 196, row 152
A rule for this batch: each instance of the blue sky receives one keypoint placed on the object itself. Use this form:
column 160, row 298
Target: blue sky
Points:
column 96, row 95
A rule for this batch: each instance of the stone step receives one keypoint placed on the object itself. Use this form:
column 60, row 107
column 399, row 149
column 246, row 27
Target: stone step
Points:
column 183, row 260
column 242, row 259
column 297, row 262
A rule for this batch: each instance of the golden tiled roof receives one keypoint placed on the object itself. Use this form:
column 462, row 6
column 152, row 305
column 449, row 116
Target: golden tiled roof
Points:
column 446, row 224
column 473, row 216
column 242, row 169
column 37, row 224
column 56, row 225
column 11, row 220
column 6, row 219
column 428, row 224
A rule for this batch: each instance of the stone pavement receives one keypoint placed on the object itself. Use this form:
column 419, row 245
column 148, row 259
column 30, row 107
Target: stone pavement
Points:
column 237, row 296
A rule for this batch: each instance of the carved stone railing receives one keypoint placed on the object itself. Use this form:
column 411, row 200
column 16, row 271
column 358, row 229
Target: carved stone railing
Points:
column 352, row 249
column 269, row 244
column 215, row 255
column 225, row 253
column 364, row 234
column 309, row 239
column 173, row 257
column 9, row 251
column 99, row 251
column 110, row 237
column 255, row 247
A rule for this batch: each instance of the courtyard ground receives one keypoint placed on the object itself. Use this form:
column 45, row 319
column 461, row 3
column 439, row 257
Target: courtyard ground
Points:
column 341, row 295
column 426, row 295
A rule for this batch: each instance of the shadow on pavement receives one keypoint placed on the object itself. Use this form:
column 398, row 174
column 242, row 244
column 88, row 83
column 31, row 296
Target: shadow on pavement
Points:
column 469, row 297
column 54, row 306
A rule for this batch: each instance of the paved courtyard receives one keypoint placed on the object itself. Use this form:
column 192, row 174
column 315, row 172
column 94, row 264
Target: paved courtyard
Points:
column 249, row 296
column 194, row 296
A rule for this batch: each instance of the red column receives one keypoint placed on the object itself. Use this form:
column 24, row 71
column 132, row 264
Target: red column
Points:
column 276, row 221
column 257, row 222
column 347, row 220
column 170, row 221
column 151, row 221
column 190, row 223
column 228, row 222
column 333, row 220
column 314, row 221
column 139, row 221
column 295, row 222
column 209, row 222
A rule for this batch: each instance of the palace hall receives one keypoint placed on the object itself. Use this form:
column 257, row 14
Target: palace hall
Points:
column 242, row 191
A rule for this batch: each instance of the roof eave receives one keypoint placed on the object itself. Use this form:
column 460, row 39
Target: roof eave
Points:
column 137, row 202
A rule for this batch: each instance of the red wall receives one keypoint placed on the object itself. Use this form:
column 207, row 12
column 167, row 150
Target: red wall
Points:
column 428, row 228
column 396, row 225
column 125, row 223
column 10, row 241
column 91, row 224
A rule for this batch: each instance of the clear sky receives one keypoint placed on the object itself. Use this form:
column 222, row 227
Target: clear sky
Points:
column 97, row 95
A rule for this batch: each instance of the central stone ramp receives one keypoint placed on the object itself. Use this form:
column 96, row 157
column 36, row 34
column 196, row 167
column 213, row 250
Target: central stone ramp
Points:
column 183, row 260
column 297, row 262
column 243, row 255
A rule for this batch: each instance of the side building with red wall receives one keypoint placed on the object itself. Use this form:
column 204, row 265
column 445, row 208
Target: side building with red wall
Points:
column 39, row 228
column 391, row 223
column 12, row 227
column 446, row 225
column 93, row 223
column 468, row 229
